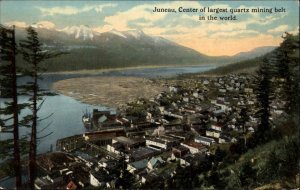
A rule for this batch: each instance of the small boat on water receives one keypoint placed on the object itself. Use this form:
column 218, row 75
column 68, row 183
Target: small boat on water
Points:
column 87, row 120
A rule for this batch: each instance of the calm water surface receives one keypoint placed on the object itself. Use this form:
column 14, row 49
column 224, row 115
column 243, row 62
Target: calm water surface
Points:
column 67, row 112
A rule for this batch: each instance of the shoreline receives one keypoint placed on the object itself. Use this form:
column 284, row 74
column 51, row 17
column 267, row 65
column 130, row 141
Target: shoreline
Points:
column 100, row 71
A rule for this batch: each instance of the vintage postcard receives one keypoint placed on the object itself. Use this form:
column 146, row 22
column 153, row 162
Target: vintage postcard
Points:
column 149, row 94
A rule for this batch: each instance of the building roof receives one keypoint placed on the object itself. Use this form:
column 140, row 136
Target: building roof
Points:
column 155, row 160
column 84, row 156
column 71, row 185
column 139, row 164
column 42, row 182
column 216, row 112
column 118, row 146
column 54, row 161
column 164, row 139
column 141, row 152
column 212, row 130
column 125, row 140
column 180, row 148
column 202, row 138
column 101, row 175
column 194, row 144
column 102, row 118
column 217, row 124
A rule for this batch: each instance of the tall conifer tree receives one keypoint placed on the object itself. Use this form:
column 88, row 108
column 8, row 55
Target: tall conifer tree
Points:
column 264, row 97
column 34, row 55
column 8, row 83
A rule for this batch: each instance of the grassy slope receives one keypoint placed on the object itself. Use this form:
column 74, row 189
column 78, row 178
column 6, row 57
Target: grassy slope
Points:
column 260, row 155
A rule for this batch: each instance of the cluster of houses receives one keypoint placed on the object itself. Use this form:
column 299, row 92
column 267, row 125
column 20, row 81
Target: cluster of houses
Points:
column 176, row 127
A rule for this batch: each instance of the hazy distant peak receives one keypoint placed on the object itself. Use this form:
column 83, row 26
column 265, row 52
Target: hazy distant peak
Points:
column 256, row 52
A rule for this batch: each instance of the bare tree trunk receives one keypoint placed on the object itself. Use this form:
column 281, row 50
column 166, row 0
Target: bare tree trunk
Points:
column 33, row 144
column 245, row 137
column 17, row 160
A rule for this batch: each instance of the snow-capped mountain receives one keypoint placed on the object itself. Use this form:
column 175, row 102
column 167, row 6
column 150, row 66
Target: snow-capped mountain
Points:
column 80, row 32
column 88, row 49
column 137, row 35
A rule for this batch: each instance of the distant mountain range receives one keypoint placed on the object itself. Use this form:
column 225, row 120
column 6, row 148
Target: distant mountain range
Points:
column 257, row 52
column 245, row 66
column 87, row 49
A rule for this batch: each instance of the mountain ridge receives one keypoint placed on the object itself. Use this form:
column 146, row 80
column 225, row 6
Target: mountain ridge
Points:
column 88, row 49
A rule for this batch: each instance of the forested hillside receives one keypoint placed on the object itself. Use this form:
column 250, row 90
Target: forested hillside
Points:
column 269, row 158
column 85, row 49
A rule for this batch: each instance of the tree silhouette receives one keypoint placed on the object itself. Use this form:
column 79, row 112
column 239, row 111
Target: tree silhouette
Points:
column 288, row 69
column 11, row 109
column 264, row 97
column 242, row 120
column 34, row 55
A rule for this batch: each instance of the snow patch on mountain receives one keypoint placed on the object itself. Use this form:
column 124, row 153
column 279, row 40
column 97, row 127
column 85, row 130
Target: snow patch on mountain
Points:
column 135, row 33
column 81, row 31
column 44, row 24
column 118, row 33
column 37, row 25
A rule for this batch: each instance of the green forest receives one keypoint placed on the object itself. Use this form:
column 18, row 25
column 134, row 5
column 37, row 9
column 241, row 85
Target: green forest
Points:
column 270, row 158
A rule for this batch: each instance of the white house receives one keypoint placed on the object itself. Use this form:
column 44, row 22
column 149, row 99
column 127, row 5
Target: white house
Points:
column 194, row 147
column 157, row 143
column 204, row 140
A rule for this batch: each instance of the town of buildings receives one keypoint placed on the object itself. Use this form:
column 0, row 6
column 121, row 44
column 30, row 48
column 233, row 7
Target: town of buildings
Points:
column 181, row 126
